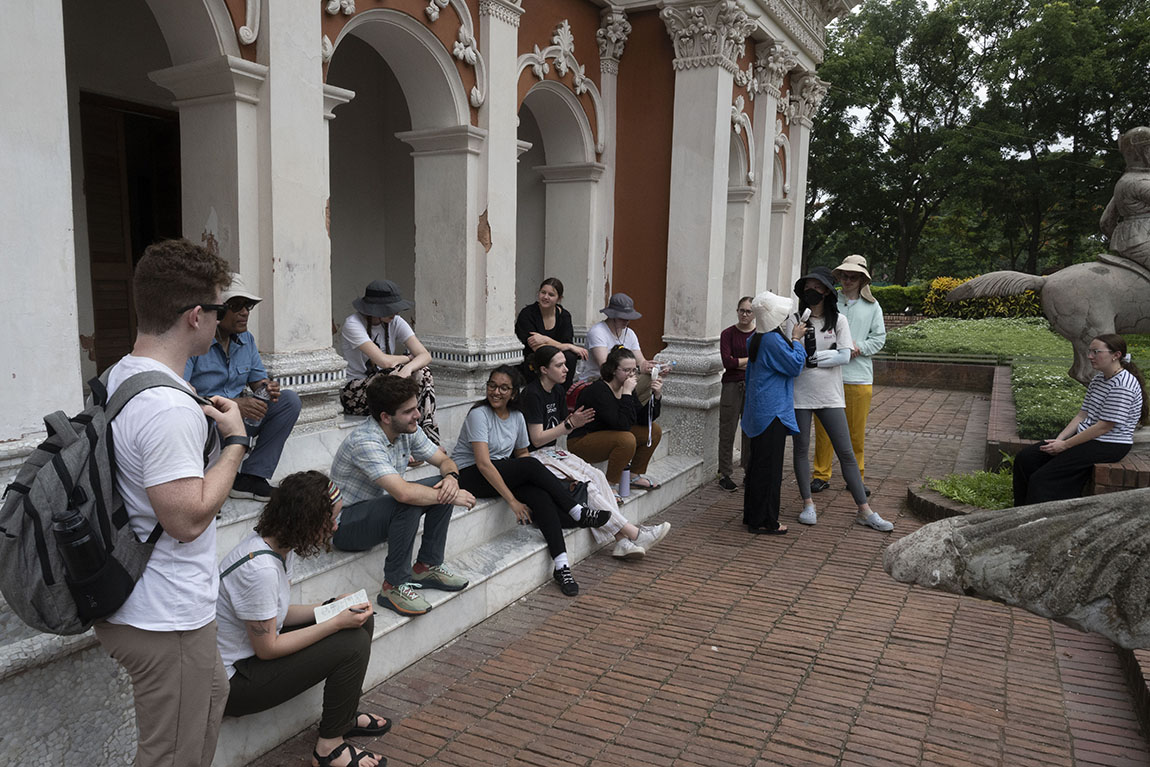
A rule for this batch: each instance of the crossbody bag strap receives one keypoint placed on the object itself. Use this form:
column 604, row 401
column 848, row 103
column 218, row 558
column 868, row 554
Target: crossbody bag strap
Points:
column 249, row 557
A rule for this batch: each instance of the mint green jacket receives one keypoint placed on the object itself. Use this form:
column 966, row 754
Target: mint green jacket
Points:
column 869, row 333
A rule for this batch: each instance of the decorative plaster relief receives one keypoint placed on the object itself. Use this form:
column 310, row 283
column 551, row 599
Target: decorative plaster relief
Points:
column 562, row 53
column 810, row 38
column 346, row 7
column 507, row 11
column 765, row 75
column 326, row 49
column 810, row 91
column 434, row 7
column 708, row 35
column 614, row 29
column 251, row 28
column 741, row 121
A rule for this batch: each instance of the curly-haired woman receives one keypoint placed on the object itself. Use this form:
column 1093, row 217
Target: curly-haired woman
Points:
column 274, row 650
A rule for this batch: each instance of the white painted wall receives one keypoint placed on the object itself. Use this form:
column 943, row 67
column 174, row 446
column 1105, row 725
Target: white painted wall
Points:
column 372, row 180
column 531, row 222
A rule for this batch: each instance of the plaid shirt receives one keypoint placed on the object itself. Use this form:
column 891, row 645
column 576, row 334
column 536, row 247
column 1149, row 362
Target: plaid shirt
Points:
column 367, row 455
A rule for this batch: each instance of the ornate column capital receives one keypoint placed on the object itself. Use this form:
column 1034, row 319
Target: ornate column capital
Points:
column 507, row 11
column 707, row 34
column 772, row 63
column 807, row 92
column 614, row 29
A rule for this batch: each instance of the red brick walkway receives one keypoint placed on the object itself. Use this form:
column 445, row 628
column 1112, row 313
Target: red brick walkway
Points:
column 723, row 648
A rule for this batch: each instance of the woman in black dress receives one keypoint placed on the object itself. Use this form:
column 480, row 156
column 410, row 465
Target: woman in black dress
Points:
column 547, row 323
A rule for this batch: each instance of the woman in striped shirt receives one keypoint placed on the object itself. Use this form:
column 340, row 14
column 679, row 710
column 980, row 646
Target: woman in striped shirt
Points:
column 1102, row 432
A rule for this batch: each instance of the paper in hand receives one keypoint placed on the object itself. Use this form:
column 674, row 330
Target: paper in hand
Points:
column 332, row 609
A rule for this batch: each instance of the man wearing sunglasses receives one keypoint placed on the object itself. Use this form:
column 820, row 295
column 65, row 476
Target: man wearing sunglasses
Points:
column 230, row 366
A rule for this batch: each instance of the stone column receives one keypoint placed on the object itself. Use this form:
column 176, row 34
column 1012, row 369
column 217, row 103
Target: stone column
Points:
column 573, row 252
column 807, row 93
column 778, row 277
column 293, row 324
column 38, row 292
column 708, row 38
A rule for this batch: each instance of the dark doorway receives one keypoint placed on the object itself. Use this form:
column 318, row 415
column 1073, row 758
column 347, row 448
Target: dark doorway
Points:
column 132, row 197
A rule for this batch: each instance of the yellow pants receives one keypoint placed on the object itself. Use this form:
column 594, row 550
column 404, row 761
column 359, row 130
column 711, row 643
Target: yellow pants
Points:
column 858, row 407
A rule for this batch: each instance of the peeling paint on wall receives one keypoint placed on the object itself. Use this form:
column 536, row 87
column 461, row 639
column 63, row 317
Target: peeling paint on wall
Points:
column 88, row 344
column 208, row 238
column 484, row 232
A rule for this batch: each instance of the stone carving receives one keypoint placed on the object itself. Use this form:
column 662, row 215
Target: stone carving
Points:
column 1084, row 562
column 1104, row 296
column 810, row 40
column 741, row 121
column 334, row 7
column 708, row 35
column 434, row 7
column 808, row 92
column 561, row 53
column 507, row 11
column 326, row 49
column 251, row 28
column 765, row 74
column 614, row 29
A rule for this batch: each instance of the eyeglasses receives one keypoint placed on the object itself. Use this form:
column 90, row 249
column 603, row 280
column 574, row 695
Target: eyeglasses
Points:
column 1095, row 352
column 745, row 311
column 501, row 388
column 849, row 277
column 238, row 305
column 219, row 309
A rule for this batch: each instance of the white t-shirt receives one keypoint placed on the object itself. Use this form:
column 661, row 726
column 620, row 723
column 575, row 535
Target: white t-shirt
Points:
column 600, row 334
column 355, row 332
column 817, row 388
column 503, row 436
column 258, row 589
column 160, row 437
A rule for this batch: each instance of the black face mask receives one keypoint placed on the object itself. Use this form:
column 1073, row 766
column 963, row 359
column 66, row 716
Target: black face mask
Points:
column 812, row 297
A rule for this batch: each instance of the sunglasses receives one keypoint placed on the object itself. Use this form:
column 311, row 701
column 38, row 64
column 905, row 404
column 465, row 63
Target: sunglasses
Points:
column 219, row 309
column 238, row 305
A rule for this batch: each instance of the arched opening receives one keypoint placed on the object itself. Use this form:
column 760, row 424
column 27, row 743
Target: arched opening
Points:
column 736, row 247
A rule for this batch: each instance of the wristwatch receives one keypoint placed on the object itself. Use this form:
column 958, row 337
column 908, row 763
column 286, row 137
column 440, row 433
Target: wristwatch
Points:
column 237, row 439
column 452, row 474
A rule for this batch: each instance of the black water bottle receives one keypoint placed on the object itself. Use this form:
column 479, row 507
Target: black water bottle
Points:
column 79, row 546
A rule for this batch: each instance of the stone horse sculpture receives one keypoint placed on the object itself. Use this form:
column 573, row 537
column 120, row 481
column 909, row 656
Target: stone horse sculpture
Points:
column 1110, row 295
column 1084, row 562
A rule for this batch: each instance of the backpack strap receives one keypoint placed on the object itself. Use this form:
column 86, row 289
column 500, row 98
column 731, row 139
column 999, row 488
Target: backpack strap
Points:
column 133, row 385
column 250, row 556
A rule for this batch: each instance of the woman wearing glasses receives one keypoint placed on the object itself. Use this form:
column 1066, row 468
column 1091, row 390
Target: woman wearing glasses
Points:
column 1102, row 432
column 491, row 453
column 733, row 351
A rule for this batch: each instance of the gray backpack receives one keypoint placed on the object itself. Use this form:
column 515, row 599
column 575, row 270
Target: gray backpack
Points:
column 74, row 470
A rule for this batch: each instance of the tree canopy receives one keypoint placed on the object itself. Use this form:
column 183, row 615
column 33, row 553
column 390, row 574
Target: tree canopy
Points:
column 972, row 135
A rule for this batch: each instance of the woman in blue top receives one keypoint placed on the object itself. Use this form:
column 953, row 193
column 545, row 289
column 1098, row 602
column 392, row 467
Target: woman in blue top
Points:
column 774, row 361
column 491, row 453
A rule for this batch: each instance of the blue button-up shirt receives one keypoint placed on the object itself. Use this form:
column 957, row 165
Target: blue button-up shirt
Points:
column 226, row 373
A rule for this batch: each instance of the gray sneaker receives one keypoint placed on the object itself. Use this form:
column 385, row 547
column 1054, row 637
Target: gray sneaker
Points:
column 649, row 536
column 808, row 516
column 438, row 577
column 403, row 600
column 625, row 548
column 875, row 521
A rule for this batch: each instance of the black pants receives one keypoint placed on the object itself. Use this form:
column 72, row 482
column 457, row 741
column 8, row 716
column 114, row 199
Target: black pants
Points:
column 531, row 483
column 339, row 661
column 764, row 477
column 1040, row 477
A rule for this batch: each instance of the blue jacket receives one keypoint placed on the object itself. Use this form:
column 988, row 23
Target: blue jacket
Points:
column 771, row 384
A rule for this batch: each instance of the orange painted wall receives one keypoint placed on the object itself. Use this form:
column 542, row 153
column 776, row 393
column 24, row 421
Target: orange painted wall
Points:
column 643, row 173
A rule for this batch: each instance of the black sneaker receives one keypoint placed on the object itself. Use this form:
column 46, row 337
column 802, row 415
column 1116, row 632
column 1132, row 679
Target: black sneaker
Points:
column 819, row 485
column 566, row 583
column 725, row 483
column 251, row 486
column 594, row 517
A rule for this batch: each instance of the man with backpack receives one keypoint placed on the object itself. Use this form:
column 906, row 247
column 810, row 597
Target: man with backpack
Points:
column 169, row 474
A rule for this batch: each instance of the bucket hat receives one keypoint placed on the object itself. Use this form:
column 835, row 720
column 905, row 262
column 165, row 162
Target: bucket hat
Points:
column 770, row 311
column 820, row 273
column 621, row 307
column 856, row 264
column 381, row 299
column 238, row 290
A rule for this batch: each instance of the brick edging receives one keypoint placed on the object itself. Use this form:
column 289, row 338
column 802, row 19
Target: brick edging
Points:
column 932, row 506
column 1136, row 669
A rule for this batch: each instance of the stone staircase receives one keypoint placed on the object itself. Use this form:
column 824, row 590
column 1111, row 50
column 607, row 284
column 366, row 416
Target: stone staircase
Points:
column 66, row 696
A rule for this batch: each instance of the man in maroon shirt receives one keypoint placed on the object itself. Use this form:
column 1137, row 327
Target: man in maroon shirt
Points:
column 733, row 350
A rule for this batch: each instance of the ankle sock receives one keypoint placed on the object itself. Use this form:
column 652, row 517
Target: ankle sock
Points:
column 561, row 561
column 576, row 512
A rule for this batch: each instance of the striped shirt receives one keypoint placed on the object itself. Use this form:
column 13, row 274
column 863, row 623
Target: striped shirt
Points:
column 1118, row 400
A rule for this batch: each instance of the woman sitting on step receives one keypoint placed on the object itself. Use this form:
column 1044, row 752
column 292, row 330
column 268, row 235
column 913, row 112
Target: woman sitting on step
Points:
column 274, row 650
column 491, row 453
column 545, row 410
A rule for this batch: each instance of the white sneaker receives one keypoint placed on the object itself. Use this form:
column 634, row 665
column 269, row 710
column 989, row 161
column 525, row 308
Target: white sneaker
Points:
column 875, row 521
column 625, row 548
column 808, row 515
column 649, row 536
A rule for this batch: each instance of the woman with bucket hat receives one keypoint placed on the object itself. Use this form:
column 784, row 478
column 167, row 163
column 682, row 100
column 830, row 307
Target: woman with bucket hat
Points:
column 377, row 341
column 868, row 331
column 819, row 392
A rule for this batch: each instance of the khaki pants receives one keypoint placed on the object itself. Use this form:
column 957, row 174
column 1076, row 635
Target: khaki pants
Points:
column 180, row 688
column 730, row 411
column 618, row 448
column 858, row 398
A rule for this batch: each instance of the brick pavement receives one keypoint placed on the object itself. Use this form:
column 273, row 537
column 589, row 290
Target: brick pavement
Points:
column 723, row 648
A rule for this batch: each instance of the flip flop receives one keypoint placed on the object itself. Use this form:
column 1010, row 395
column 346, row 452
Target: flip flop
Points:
column 651, row 484
column 357, row 755
column 780, row 530
column 374, row 729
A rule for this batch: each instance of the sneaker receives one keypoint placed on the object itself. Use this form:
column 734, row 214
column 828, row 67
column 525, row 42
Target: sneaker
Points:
column 403, row 600
column 594, row 517
column 875, row 521
column 725, row 483
column 649, row 536
column 438, row 577
column 808, row 516
column 819, row 485
column 566, row 583
column 251, row 486
column 626, row 548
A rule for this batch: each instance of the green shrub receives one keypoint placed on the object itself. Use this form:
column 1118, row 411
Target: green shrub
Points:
column 895, row 299
column 1004, row 338
column 1045, row 399
column 1026, row 304
column 984, row 489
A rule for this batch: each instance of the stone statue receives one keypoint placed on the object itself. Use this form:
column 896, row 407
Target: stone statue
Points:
column 1083, row 562
column 1104, row 296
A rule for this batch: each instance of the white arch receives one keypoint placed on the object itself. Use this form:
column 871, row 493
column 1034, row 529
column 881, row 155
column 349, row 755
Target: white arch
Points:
column 195, row 29
column 738, row 163
column 425, row 70
column 782, row 187
column 566, row 131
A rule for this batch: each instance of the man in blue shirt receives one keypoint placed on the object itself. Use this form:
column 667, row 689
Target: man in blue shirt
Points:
column 229, row 366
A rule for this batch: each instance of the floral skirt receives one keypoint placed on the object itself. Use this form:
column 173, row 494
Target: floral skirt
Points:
column 353, row 397
column 568, row 466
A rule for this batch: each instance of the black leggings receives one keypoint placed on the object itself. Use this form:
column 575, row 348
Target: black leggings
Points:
column 1040, row 477
column 532, row 484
